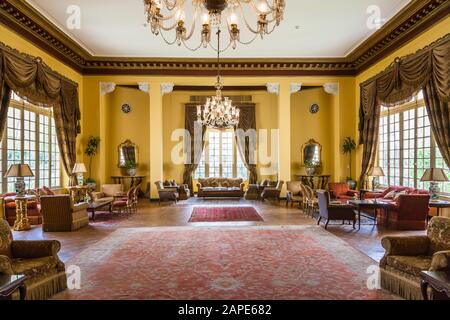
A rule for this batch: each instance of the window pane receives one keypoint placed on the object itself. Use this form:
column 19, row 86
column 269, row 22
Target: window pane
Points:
column 227, row 154
column 44, row 151
column 14, row 149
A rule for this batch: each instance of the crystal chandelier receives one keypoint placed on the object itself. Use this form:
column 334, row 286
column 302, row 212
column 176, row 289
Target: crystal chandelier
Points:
column 168, row 15
column 218, row 111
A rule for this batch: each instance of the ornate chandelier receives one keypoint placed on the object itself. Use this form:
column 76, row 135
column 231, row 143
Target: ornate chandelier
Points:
column 168, row 15
column 218, row 111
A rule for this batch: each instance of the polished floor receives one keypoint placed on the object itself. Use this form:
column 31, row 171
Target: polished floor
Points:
column 367, row 239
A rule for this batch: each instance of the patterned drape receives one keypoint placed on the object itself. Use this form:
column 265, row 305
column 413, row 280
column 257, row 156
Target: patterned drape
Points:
column 193, row 147
column 247, row 147
column 36, row 83
column 427, row 70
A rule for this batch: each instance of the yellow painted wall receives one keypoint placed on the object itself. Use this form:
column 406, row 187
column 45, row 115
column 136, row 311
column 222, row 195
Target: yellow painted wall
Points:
column 15, row 41
column 306, row 126
column 132, row 126
column 174, row 114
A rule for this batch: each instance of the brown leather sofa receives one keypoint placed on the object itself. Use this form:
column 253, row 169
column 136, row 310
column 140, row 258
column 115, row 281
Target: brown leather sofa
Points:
column 220, row 188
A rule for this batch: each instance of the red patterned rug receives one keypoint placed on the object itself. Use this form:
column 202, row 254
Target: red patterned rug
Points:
column 224, row 214
column 187, row 263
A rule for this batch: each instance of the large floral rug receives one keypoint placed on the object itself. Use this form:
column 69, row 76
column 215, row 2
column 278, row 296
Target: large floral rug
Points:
column 186, row 263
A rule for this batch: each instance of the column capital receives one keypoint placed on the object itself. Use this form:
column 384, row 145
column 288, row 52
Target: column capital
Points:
column 296, row 87
column 273, row 88
column 144, row 86
column 332, row 88
column 107, row 87
column 167, row 88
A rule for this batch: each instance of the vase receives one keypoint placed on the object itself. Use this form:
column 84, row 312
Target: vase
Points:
column 310, row 171
column 131, row 172
column 352, row 184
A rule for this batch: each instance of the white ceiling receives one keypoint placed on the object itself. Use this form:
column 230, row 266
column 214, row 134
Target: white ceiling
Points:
column 328, row 29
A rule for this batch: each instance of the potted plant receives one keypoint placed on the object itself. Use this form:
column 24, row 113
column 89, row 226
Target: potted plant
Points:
column 310, row 167
column 347, row 148
column 91, row 151
column 131, row 168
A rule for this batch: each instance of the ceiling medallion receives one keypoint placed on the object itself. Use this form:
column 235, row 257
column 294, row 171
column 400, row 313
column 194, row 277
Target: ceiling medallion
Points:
column 218, row 111
column 168, row 15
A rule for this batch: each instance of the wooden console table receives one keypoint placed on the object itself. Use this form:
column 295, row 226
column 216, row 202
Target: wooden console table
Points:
column 134, row 181
column 316, row 182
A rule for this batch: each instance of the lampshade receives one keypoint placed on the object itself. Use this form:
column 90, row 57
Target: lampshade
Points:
column 79, row 168
column 19, row 171
column 434, row 175
column 376, row 172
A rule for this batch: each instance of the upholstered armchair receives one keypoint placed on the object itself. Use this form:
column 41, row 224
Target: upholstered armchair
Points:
column 109, row 193
column 61, row 214
column 38, row 260
column 332, row 212
column 166, row 194
column 272, row 192
column 294, row 193
column 341, row 191
column 407, row 257
column 183, row 190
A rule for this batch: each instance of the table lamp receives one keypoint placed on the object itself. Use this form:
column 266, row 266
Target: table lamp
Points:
column 19, row 171
column 376, row 173
column 434, row 176
column 79, row 169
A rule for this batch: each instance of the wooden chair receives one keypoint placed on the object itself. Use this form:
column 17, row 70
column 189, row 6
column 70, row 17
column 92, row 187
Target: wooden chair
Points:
column 312, row 202
column 332, row 212
column 272, row 193
column 166, row 194
column 294, row 193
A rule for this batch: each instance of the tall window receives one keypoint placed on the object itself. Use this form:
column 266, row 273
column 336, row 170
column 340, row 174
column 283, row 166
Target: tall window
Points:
column 30, row 137
column 221, row 157
column 407, row 147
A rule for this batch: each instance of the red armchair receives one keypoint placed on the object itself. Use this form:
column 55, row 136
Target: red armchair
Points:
column 341, row 191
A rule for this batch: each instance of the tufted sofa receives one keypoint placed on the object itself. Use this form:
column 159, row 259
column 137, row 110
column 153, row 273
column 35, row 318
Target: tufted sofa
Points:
column 220, row 188
column 407, row 257
column 38, row 260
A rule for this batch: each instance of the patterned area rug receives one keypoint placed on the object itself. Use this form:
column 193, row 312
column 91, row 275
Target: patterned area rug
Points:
column 187, row 263
column 224, row 214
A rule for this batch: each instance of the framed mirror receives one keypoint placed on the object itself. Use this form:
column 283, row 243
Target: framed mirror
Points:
column 312, row 152
column 128, row 151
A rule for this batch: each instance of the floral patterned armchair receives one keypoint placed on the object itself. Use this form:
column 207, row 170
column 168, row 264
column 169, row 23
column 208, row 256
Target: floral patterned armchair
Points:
column 38, row 260
column 407, row 257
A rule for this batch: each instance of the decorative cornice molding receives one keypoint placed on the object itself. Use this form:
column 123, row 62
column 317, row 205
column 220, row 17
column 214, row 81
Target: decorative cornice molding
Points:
column 415, row 18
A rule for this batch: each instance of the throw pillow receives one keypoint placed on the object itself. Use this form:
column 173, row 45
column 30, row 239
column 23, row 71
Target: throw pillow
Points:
column 390, row 195
column 47, row 191
column 397, row 196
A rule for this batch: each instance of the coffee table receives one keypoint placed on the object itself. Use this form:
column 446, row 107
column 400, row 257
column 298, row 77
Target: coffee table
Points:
column 438, row 281
column 9, row 284
column 361, row 205
column 99, row 205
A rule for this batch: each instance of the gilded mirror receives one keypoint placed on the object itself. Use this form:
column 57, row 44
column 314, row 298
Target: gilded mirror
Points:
column 312, row 152
column 128, row 152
